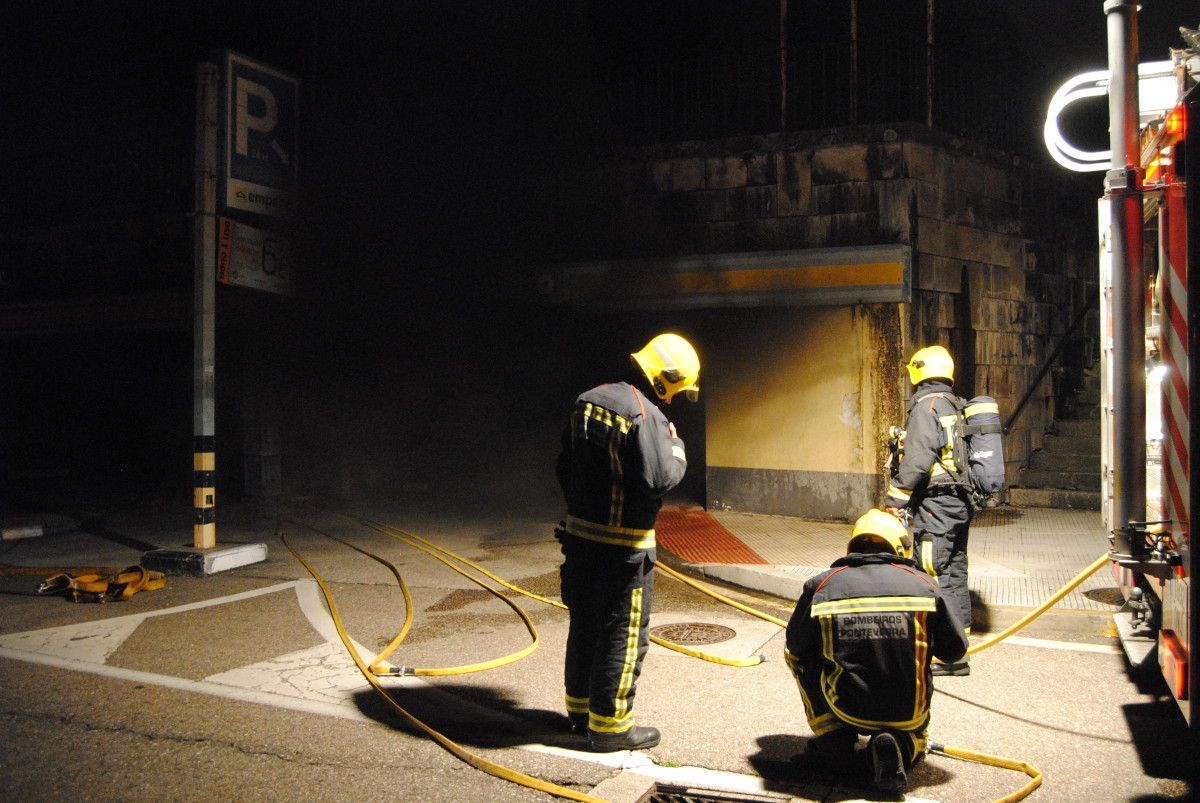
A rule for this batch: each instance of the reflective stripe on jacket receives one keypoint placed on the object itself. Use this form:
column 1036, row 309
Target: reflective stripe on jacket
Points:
column 618, row 459
column 928, row 444
column 863, row 635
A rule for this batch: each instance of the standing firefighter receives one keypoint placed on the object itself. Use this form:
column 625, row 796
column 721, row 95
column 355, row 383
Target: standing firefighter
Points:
column 620, row 455
column 860, row 644
column 924, row 485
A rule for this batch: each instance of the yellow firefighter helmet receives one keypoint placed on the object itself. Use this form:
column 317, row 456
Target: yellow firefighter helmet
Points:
column 931, row 362
column 671, row 366
column 884, row 528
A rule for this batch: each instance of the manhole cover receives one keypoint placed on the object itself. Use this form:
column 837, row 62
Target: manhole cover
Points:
column 693, row 633
column 1106, row 596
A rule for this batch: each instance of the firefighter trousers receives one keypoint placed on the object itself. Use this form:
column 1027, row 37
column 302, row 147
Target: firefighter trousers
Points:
column 913, row 743
column 941, row 527
column 607, row 590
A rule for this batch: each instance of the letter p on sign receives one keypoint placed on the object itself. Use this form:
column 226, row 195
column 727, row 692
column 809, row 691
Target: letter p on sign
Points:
column 261, row 119
column 261, row 124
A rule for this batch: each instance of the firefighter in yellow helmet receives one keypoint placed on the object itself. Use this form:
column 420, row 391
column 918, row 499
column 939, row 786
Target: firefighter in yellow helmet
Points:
column 860, row 643
column 923, row 485
column 620, row 455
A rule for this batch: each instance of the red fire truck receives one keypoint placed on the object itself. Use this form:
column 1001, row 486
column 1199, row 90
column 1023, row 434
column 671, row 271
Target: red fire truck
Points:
column 1150, row 340
column 1158, row 559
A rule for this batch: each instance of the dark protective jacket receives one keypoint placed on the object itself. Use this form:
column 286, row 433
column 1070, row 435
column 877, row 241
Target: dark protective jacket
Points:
column 862, row 637
column 618, row 459
column 928, row 444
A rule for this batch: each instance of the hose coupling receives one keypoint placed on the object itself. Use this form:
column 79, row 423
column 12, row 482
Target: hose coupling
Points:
column 396, row 671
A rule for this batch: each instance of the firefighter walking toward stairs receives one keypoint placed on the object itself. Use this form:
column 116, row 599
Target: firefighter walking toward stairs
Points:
column 924, row 485
column 620, row 455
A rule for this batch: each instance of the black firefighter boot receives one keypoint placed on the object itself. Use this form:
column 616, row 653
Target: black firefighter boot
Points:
column 887, row 766
column 635, row 738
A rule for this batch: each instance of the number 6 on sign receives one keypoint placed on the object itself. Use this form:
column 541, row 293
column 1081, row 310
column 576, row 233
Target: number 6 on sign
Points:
column 251, row 257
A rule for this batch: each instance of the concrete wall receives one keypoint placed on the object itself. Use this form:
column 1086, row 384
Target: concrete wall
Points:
column 795, row 410
column 1003, row 261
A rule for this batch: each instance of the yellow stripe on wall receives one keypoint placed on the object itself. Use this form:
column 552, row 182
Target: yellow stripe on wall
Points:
column 812, row 277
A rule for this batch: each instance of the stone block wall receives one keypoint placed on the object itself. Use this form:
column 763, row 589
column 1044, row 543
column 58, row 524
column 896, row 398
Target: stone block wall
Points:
column 1006, row 258
column 1004, row 253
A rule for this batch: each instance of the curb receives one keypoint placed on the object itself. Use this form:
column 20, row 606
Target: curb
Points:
column 780, row 586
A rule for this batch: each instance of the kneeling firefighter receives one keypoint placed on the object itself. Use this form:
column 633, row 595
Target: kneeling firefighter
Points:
column 620, row 455
column 860, row 643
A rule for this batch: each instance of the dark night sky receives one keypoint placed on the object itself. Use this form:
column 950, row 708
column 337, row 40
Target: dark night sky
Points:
column 427, row 124
column 430, row 131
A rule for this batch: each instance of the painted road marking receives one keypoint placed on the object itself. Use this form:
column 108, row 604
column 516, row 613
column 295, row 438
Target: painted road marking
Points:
column 323, row 680
column 1062, row 645
column 93, row 642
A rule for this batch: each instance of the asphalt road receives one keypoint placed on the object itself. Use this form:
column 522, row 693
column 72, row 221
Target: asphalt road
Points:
column 232, row 686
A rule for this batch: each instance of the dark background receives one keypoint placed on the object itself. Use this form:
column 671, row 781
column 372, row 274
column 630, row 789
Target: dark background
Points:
column 438, row 146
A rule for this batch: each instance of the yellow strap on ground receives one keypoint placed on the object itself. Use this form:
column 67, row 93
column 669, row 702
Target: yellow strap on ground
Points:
column 479, row 762
column 102, row 585
column 408, row 537
column 1033, row 772
column 1045, row 606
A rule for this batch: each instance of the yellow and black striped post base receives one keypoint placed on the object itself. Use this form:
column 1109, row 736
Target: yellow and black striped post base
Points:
column 204, row 480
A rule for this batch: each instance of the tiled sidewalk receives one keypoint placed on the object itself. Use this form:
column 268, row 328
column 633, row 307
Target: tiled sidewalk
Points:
column 1018, row 556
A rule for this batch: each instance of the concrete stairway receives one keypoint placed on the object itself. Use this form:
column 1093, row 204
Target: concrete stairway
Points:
column 1065, row 472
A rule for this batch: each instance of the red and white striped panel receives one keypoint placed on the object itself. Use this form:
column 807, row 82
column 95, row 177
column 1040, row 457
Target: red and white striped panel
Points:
column 1177, row 384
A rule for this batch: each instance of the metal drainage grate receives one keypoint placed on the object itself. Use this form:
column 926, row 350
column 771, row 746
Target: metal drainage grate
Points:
column 668, row 793
column 693, row 633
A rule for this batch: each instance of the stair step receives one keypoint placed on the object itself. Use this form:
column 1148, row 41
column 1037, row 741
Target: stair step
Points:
column 1062, row 480
column 1055, row 498
column 1064, row 444
column 1072, row 444
column 1055, row 460
column 1078, row 428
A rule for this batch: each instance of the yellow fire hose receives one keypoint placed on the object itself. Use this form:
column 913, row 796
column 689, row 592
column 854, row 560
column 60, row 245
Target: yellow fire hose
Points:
column 378, row 667
column 426, row 546
column 1035, row 775
column 1045, row 606
column 477, row 761
column 766, row 617
column 435, row 551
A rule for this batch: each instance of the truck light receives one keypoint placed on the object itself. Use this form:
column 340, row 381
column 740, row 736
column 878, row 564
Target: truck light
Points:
column 1176, row 125
column 1173, row 660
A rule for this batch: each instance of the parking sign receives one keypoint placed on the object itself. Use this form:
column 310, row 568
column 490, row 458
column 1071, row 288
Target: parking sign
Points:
column 261, row 160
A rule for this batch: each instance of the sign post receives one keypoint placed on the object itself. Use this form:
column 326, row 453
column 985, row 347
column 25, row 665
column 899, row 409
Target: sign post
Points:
column 258, row 176
column 204, row 244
